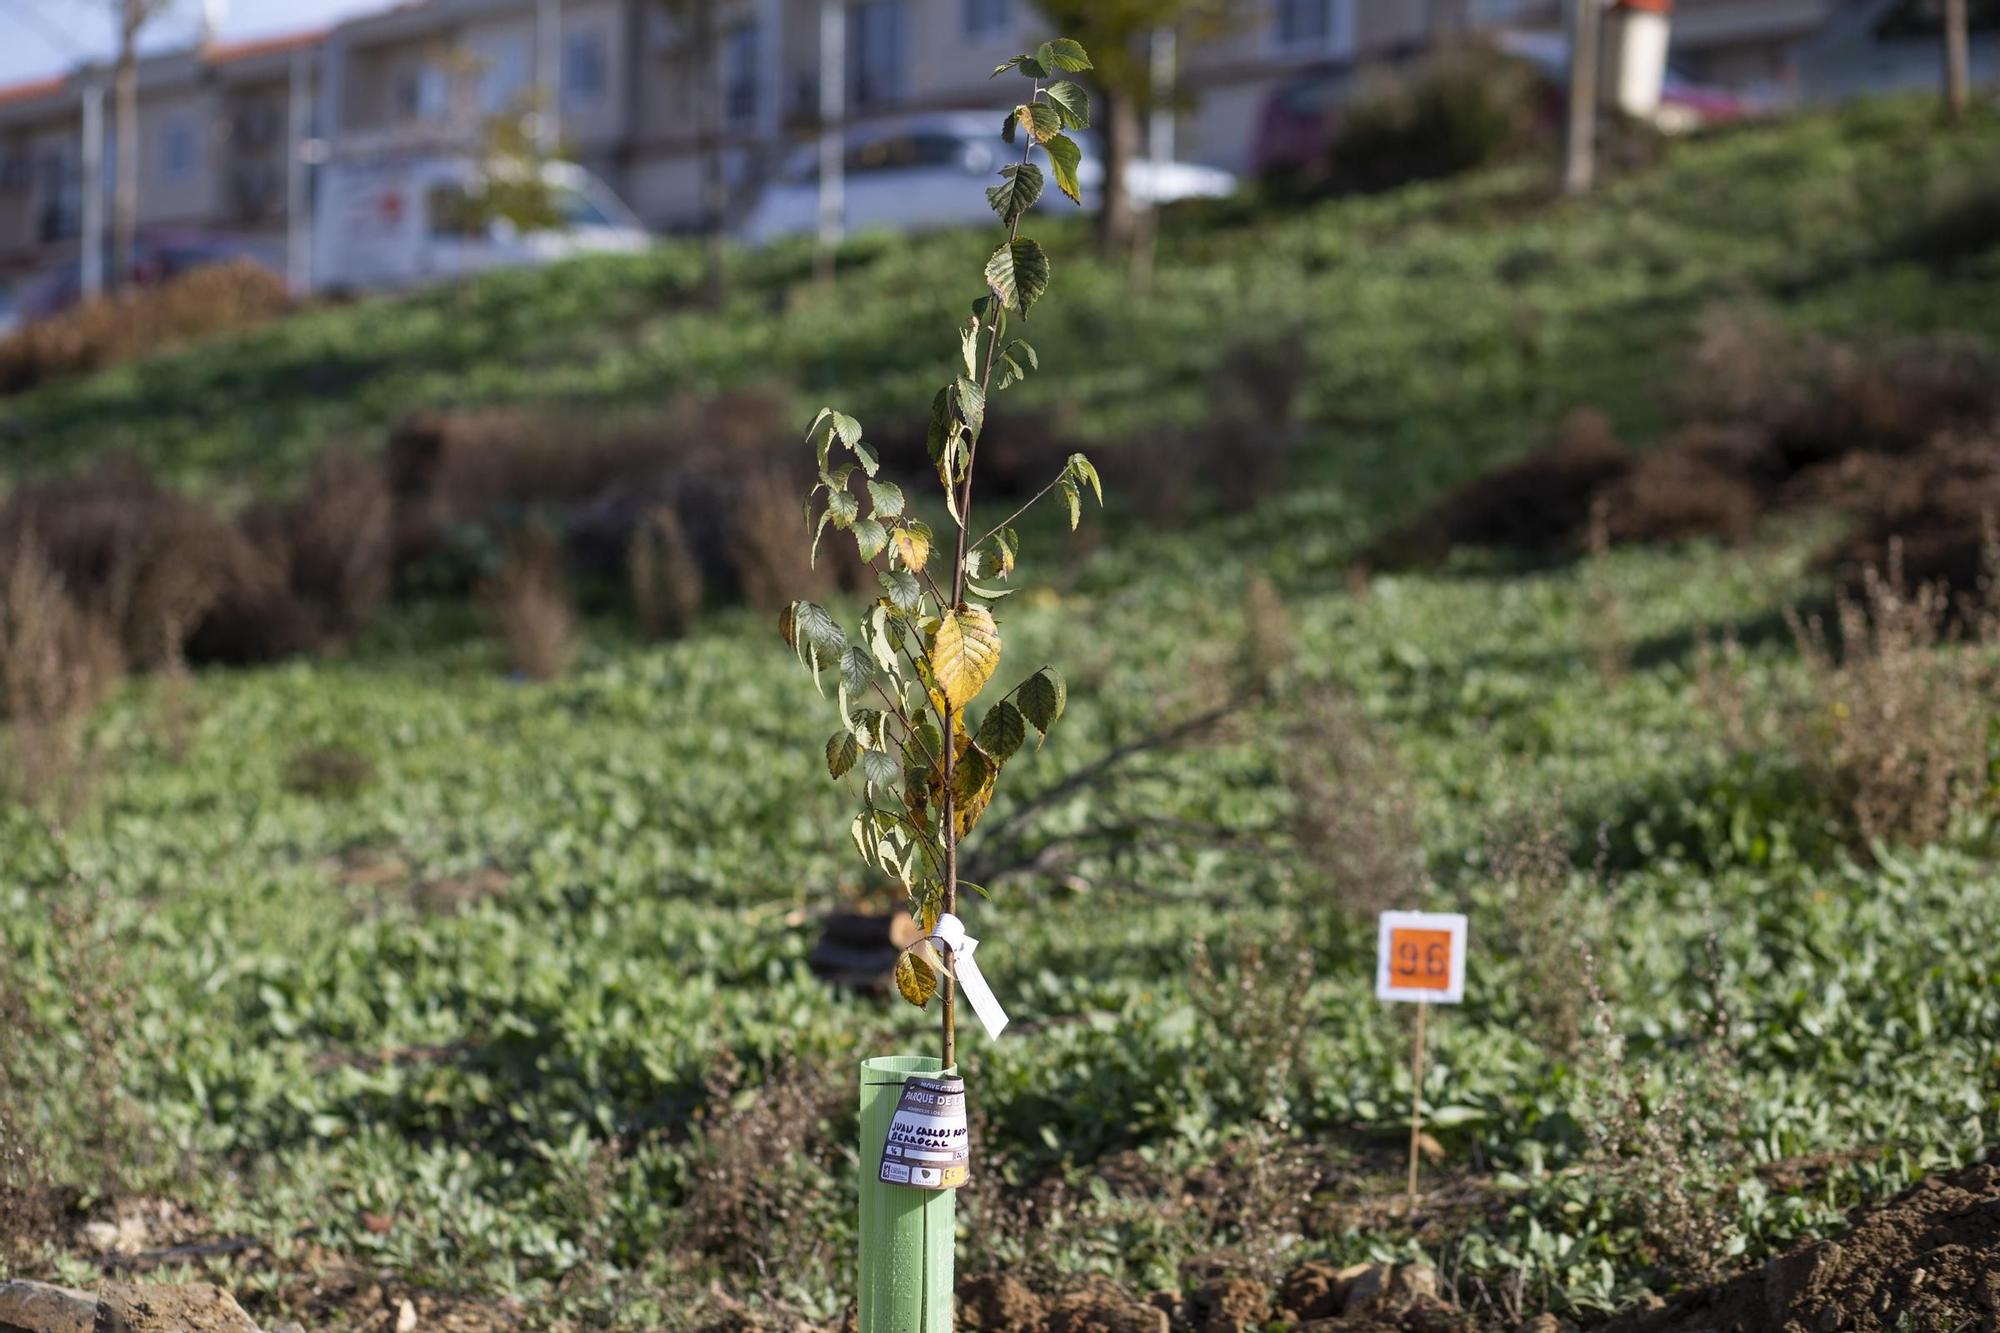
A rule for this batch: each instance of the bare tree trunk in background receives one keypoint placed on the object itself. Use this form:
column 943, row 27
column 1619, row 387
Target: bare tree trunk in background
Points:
column 1580, row 164
column 708, row 123
column 1117, row 222
column 125, row 200
column 1957, row 60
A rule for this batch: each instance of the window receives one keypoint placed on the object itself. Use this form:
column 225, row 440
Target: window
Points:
column 503, row 77
column 874, row 52
column 423, row 93
column 739, row 73
column 1316, row 25
column 180, row 149
column 984, row 18
column 586, row 71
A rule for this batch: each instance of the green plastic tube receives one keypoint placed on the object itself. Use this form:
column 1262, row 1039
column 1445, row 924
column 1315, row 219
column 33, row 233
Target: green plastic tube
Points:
column 907, row 1235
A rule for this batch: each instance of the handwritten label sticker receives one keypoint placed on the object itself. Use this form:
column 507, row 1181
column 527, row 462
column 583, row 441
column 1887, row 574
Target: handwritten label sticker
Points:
column 1421, row 956
column 928, row 1148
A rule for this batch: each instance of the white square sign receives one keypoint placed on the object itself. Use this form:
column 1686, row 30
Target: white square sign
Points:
column 1421, row 956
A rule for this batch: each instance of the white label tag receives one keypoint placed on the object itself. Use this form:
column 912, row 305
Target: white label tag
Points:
column 959, row 948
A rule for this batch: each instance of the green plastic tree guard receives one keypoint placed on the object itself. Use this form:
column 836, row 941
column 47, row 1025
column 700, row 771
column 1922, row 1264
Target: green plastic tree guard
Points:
column 907, row 1235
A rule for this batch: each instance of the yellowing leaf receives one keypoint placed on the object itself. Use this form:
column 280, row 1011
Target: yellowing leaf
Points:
column 913, row 548
column 965, row 652
column 915, row 979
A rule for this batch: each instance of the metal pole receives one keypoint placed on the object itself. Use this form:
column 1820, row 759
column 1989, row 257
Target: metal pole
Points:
column 92, row 257
column 1160, row 126
column 548, row 75
column 1580, row 166
column 298, row 198
column 832, row 136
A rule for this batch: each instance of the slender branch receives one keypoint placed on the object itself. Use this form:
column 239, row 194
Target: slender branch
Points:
column 1007, row 521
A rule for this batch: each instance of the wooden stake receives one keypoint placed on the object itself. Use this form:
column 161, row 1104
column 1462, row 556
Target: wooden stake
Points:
column 1416, row 1104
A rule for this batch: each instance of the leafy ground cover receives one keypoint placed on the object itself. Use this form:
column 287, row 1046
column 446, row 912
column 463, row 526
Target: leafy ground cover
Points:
column 409, row 979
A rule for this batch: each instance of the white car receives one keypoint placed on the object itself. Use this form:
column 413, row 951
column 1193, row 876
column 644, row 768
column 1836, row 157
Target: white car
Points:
column 930, row 171
column 393, row 221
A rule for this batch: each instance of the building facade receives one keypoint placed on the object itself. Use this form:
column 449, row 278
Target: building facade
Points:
column 630, row 96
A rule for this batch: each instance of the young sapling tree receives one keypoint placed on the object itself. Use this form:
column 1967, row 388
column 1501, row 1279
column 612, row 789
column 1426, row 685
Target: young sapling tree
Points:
column 928, row 647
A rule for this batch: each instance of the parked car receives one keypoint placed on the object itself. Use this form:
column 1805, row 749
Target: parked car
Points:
column 1301, row 117
column 402, row 221
column 920, row 172
column 157, row 257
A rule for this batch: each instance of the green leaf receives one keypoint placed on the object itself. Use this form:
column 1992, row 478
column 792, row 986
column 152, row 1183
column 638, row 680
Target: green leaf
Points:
column 842, row 750
column 1081, row 470
column 857, row 668
column 1064, row 158
column 965, row 651
column 904, row 592
column 1075, row 501
column 1017, row 193
column 1007, row 125
column 971, row 774
column 941, row 424
column 1022, row 345
column 879, row 768
column 871, row 537
column 1001, row 732
column 1018, row 272
column 845, row 507
column 871, row 462
column 847, row 428
column 1065, row 53
column 968, row 345
column 971, row 406
column 987, row 592
column 888, row 498
column 1072, row 103
column 1042, row 697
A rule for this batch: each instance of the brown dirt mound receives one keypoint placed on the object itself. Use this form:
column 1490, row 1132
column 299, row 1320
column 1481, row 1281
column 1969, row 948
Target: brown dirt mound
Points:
column 1929, row 1258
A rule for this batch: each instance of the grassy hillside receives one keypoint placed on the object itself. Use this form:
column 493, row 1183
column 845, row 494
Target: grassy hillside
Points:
column 1443, row 324
column 418, row 980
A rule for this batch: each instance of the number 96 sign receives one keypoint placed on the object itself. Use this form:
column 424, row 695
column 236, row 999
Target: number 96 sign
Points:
column 1421, row 956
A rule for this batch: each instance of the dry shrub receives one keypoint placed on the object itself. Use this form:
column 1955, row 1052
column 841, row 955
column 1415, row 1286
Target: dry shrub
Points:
column 1670, row 1158
column 1539, row 504
column 1937, row 512
column 1354, row 816
column 1545, row 925
column 1682, row 489
column 727, row 466
column 1260, row 1045
column 1459, row 108
column 70, row 1136
column 221, row 298
column 770, row 549
column 1902, row 434
column 335, row 542
column 1897, row 730
column 665, row 578
column 57, row 662
column 172, row 577
column 328, row 771
column 531, row 609
column 766, row 1170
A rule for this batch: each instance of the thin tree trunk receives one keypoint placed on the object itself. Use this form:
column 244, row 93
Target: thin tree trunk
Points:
column 1117, row 221
column 1957, row 60
column 125, row 201
column 708, row 115
column 1580, row 165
